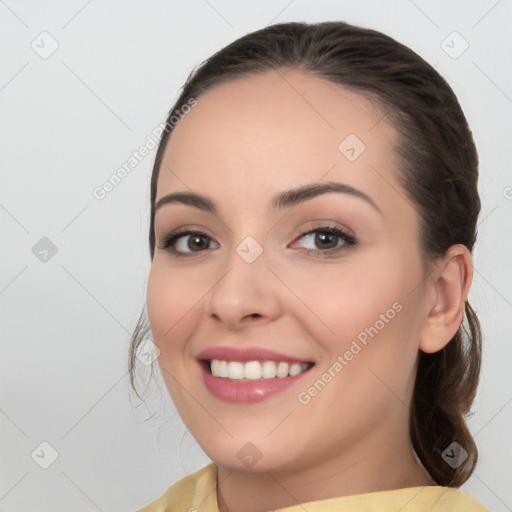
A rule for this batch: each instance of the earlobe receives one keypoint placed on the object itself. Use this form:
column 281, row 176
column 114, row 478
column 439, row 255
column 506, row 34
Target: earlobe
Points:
column 450, row 285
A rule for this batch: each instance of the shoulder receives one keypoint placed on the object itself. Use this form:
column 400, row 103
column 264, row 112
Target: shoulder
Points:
column 195, row 492
column 411, row 499
column 452, row 498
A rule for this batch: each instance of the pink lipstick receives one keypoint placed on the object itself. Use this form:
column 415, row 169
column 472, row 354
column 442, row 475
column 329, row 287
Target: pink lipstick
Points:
column 248, row 375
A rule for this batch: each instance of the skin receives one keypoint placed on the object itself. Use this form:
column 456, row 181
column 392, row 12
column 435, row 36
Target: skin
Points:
column 244, row 142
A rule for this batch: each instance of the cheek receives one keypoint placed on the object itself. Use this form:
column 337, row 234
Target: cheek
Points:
column 368, row 348
column 173, row 307
column 370, row 319
column 172, row 304
column 363, row 311
column 345, row 299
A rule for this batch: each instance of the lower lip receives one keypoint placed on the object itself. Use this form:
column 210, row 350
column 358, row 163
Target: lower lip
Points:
column 247, row 391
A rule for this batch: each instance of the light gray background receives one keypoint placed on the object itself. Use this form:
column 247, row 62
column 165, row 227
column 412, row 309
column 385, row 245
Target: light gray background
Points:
column 69, row 121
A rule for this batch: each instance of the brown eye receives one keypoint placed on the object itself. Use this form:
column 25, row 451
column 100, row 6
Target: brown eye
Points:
column 186, row 243
column 326, row 240
column 197, row 242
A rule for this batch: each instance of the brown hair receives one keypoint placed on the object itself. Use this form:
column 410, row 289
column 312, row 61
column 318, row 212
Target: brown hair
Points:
column 438, row 170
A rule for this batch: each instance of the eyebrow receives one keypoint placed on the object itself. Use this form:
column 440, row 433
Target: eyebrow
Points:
column 281, row 201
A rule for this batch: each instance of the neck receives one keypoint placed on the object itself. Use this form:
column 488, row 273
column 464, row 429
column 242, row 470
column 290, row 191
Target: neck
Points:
column 396, row 467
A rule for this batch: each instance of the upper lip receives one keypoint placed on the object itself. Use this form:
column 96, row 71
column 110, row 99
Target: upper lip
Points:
column 230, row 353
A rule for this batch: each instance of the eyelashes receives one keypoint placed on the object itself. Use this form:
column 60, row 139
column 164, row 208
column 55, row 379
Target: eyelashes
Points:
column 328, row 240
column 324, row 238
column 173, row 243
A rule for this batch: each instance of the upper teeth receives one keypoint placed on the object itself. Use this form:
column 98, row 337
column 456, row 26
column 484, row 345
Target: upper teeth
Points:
column 254, row 370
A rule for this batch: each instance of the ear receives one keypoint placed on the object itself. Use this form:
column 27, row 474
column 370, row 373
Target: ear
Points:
column 448, row 288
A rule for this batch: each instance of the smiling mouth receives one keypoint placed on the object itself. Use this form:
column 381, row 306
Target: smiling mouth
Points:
column 254, row 370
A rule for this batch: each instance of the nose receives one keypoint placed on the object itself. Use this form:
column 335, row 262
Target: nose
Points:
column 246, row 294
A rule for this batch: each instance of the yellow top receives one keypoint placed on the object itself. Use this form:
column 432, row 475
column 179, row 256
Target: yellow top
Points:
column 197, row 493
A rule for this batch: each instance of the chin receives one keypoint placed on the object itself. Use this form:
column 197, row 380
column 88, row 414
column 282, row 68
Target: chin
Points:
column 252, row 456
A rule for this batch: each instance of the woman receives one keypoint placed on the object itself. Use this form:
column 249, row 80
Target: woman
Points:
column 312, row 221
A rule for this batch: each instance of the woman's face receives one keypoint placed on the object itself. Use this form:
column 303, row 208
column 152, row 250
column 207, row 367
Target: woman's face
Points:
column 267, row 274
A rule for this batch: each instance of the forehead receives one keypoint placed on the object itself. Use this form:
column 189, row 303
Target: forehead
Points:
column 275, row 130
